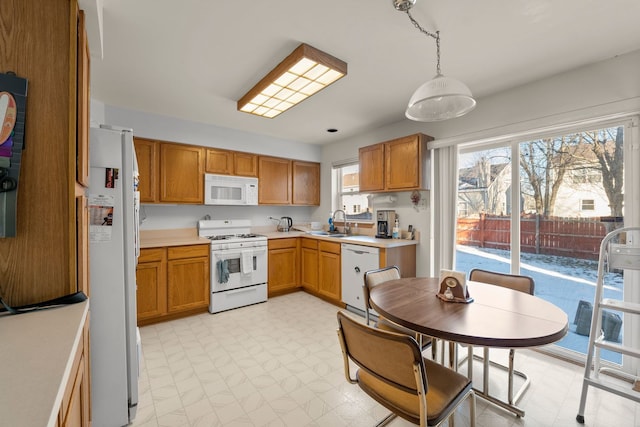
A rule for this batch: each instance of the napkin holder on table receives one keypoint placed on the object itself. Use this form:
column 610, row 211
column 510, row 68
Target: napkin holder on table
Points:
column 453, row 287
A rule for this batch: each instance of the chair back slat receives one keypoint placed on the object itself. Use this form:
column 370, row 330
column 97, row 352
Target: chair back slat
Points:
column 512, row 281
column 388, row 356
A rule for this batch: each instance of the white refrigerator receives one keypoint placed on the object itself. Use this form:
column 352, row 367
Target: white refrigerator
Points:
column 113, row 251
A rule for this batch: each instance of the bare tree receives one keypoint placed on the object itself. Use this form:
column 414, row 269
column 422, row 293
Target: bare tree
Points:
column 545, row 163
column 607, row 146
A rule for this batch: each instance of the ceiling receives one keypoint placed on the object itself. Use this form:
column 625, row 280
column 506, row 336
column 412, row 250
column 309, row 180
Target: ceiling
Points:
column 193, row 59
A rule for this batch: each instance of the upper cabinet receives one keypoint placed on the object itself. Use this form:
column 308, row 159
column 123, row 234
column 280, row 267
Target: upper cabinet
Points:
column 174, row 173
column 401, row 164
column 227, row 162
column 277, row 173
column 306, row 183
column 169, row 173
column 148, row 165
column 288, row 182
column 181, row 173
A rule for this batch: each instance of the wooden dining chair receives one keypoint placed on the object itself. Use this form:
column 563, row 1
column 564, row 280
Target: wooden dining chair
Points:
column 392, row 370
column 512, row 281
column 373, row 278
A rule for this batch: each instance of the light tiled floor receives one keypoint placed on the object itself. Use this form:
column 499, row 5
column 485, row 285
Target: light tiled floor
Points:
column 279, row 364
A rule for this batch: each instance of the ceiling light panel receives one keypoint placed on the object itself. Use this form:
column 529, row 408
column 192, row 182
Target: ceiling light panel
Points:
column 304, row 72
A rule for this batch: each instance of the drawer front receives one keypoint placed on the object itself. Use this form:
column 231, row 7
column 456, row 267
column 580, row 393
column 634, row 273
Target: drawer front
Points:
column 192, row 251
column 310, row 243
column 152, row 255
column 329, row 247
column 282, row 243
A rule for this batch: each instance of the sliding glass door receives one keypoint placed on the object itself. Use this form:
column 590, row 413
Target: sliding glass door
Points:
column 540, row 207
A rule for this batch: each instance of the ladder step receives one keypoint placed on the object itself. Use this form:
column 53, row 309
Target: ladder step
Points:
column 627, row 392
column 618, row 348
column 625, row 306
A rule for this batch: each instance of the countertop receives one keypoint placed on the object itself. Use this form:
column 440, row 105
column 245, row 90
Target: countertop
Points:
column 36, row 356
column 189, row 236
column 355, row 240
column 173, row 237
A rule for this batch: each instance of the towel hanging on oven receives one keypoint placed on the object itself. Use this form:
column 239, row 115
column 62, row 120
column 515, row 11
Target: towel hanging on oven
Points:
column 223, row 271
column 247, row 261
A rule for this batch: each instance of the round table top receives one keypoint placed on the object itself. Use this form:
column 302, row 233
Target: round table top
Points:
column 498, row 317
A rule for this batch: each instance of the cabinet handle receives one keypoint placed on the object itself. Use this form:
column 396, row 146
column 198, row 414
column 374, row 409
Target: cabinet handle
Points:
column 357, row 269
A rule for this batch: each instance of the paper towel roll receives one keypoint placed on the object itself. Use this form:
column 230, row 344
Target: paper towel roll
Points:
column 384, row 199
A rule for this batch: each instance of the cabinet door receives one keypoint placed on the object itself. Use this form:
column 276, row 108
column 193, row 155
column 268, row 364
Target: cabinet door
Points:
column 371, row 172
column 181, row 176
column 83, row 102
column 245, row 164
column 275, row 181
column 151, row 295
column 188, row 284
column 74, row 409
column 402, row 166
column 329, row 276
column 309, row 272
column 283, row 265
column 148, row 165
column 306, row 183
column 219, row 161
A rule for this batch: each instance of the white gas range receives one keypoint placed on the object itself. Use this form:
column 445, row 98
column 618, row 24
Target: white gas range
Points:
column 238, row 264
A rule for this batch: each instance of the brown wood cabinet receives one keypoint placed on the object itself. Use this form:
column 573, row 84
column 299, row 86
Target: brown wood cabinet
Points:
column 227, row 162
column 151, row 279
column 181, row 173
column 169, row 173
column 147, row 153
column 188, row 277
column 400, row 164
column 330, row 271
column 274, row 187
column 172, row 282
column 306, row 183
column 283, row 266
column 309, row 264
column 245, row 164
column 219, row 161
column 44, row 43
column 75, row 407
column 371, row 170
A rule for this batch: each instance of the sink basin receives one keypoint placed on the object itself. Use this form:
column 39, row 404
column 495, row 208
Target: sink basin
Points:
column 326, row 234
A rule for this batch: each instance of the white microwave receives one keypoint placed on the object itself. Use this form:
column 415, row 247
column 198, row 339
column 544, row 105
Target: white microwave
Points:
column 230, row 190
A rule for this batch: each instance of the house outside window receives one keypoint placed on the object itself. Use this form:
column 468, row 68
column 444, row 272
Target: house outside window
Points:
column 346, row 194
column 587, row 205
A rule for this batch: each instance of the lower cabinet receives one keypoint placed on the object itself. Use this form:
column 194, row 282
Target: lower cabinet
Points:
column 75, row 407
column 309, row 264
column 188, row 277
column 283, row 266
column 329, row 271
column 171, row 282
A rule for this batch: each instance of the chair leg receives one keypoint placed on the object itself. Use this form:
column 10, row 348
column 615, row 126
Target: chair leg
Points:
column 470, row 362
column 510, row 395
column 386, row 420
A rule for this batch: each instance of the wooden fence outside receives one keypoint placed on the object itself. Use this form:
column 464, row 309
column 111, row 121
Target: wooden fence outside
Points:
column 573, row 237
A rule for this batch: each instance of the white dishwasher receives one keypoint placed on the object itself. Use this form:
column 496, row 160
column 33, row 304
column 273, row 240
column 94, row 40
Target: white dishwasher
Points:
column 356, row 259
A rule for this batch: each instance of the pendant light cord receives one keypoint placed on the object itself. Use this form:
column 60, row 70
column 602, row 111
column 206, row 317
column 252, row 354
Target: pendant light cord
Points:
column 435, row 35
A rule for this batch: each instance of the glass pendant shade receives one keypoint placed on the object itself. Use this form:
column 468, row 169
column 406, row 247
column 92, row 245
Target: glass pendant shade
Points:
column 440, row 98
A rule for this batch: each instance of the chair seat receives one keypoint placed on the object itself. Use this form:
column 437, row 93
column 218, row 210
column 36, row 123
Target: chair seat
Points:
column 445, row 386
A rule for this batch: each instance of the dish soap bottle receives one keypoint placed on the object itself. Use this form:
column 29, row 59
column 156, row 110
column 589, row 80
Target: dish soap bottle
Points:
column 396, row 230
column 331, row 227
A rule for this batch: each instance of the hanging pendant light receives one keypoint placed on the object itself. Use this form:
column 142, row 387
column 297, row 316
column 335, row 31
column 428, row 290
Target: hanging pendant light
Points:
column 442, row 97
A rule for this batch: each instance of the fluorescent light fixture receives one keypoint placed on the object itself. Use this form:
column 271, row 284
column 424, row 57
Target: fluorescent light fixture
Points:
column 304, row 72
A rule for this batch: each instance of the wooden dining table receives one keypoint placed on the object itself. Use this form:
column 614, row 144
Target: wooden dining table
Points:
column 497, row 316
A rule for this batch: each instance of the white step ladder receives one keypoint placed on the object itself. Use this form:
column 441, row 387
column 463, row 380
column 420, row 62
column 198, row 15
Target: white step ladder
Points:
column 614, row 254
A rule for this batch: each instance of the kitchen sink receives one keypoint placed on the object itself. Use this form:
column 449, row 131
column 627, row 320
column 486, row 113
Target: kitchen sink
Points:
column 326, row 234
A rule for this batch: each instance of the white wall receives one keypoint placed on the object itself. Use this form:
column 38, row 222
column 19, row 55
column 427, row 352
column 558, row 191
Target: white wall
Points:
column 600, row 89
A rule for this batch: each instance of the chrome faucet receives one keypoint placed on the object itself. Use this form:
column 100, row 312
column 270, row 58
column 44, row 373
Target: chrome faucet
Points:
column 347, row 229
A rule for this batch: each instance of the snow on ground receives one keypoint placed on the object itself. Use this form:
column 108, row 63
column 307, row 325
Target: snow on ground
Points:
column 563, row 281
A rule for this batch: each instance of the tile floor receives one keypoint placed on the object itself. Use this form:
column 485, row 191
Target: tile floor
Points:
column 279, row 364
